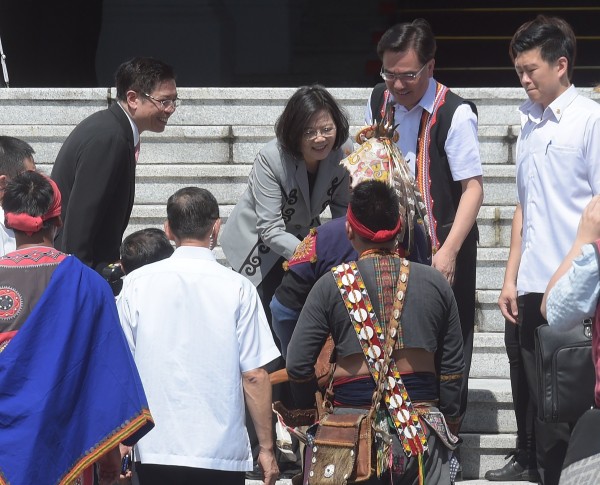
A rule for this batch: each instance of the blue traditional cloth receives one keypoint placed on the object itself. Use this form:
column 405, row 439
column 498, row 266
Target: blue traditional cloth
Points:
column 69, row 388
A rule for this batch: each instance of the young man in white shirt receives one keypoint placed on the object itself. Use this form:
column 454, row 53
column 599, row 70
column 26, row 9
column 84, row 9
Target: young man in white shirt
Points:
column 199, row 337
column 558, row 172
column 16, row 156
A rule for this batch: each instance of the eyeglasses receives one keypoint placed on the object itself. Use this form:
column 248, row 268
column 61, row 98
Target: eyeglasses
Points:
column 165, row 103
column 311, row 134
column 403, row 76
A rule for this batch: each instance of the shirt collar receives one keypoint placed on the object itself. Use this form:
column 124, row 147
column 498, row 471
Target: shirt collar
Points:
column 136, row 132
column 534, row 112
column 193, row 252
column 426, row 102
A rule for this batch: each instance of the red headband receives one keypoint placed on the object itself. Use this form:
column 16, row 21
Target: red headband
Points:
column 382, row 235
column 30, row 224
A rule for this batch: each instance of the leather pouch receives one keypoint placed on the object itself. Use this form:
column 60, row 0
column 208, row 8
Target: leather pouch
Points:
column 342, row 450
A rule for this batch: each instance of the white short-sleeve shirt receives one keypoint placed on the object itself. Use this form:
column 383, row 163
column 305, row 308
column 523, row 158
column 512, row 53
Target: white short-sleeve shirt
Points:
column 462, row 145
column 194, row 326
column 7, row 237
column 558, row 172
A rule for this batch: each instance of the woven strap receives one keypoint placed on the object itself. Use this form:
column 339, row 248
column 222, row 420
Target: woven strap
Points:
column 377, row 345
column 423, row 161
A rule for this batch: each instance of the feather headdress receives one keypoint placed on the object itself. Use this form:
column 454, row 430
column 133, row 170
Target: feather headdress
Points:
column 379, row 158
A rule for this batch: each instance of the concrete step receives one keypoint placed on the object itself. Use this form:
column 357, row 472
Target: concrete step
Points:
column 185, row 144
column 488, row 317
column 489, row 356
column 482, row 452
column 490, row 407
column 230, row 106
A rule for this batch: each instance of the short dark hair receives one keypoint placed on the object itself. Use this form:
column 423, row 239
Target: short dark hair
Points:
column 416, row 35
column 375, row 204
column 144, row 247
column 142, row 75
column 554, row 37
column 192, row 212
column 13, row 153
column 300, row 108
column 29, row 193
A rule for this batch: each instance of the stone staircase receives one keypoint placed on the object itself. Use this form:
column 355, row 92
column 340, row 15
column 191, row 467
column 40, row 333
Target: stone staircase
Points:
column 212, row 140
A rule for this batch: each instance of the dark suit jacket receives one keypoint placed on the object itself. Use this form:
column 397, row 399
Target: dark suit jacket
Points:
column 95, row 172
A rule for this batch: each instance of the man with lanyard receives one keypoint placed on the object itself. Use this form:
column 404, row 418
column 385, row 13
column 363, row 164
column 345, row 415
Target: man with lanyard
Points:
column 558, row 173
column 438, row 138
column 427, row 344
column 71, row 392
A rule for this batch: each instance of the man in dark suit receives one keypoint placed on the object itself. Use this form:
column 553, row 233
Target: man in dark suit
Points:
column 95, row 168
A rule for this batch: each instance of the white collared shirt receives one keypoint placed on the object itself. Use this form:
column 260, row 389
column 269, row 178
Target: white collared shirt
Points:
column 194, row 326
column 558, row 172
column 7, row 237
column 462, row 145
column 136, row 132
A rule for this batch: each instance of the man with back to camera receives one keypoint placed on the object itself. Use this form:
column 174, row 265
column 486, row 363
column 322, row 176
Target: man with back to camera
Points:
column 438, row 138
column 199, row 336
column 426, row 342
column 16, row 156
column 95, row 168
column 558, row 173
column 66, row 372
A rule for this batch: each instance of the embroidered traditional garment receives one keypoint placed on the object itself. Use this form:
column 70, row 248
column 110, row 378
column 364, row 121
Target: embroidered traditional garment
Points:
column 424, row 160
column 70, row 389
column 375, row 342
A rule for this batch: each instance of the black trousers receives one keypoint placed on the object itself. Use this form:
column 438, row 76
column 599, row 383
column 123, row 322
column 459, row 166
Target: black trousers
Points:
column 551, row 439
column 464, row 293
column 523, row 404
column 150, row 474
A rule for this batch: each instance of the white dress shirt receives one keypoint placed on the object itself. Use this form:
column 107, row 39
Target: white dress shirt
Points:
column 558, row 172
column 194, row 326
column 462, row 145
column 7, row 237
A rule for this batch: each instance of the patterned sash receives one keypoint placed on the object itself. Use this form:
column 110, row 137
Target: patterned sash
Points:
column 377, row 348
column 424, row 160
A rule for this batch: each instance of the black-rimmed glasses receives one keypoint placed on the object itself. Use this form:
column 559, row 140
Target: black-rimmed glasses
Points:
column 165, row 103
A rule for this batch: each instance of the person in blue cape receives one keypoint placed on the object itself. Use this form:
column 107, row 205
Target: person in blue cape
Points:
column 69, row 390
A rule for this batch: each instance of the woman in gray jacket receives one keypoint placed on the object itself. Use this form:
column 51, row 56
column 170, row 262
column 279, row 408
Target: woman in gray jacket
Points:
column 294, row 178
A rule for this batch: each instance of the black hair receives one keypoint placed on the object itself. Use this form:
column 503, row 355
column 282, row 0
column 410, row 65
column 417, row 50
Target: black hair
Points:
column 375, row 205
column 142, row 75
column 552, row 35
column 192, row 212
column 300, row 108
column 13, row 152
column 29, row 193
column 416, row 35
column 144, row 247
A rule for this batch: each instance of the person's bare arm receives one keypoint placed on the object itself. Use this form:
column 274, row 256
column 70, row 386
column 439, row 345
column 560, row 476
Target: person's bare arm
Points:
column 257, row 392
column 508, row 295
column 587, row 232
column 109, row 467
column 466, row 214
